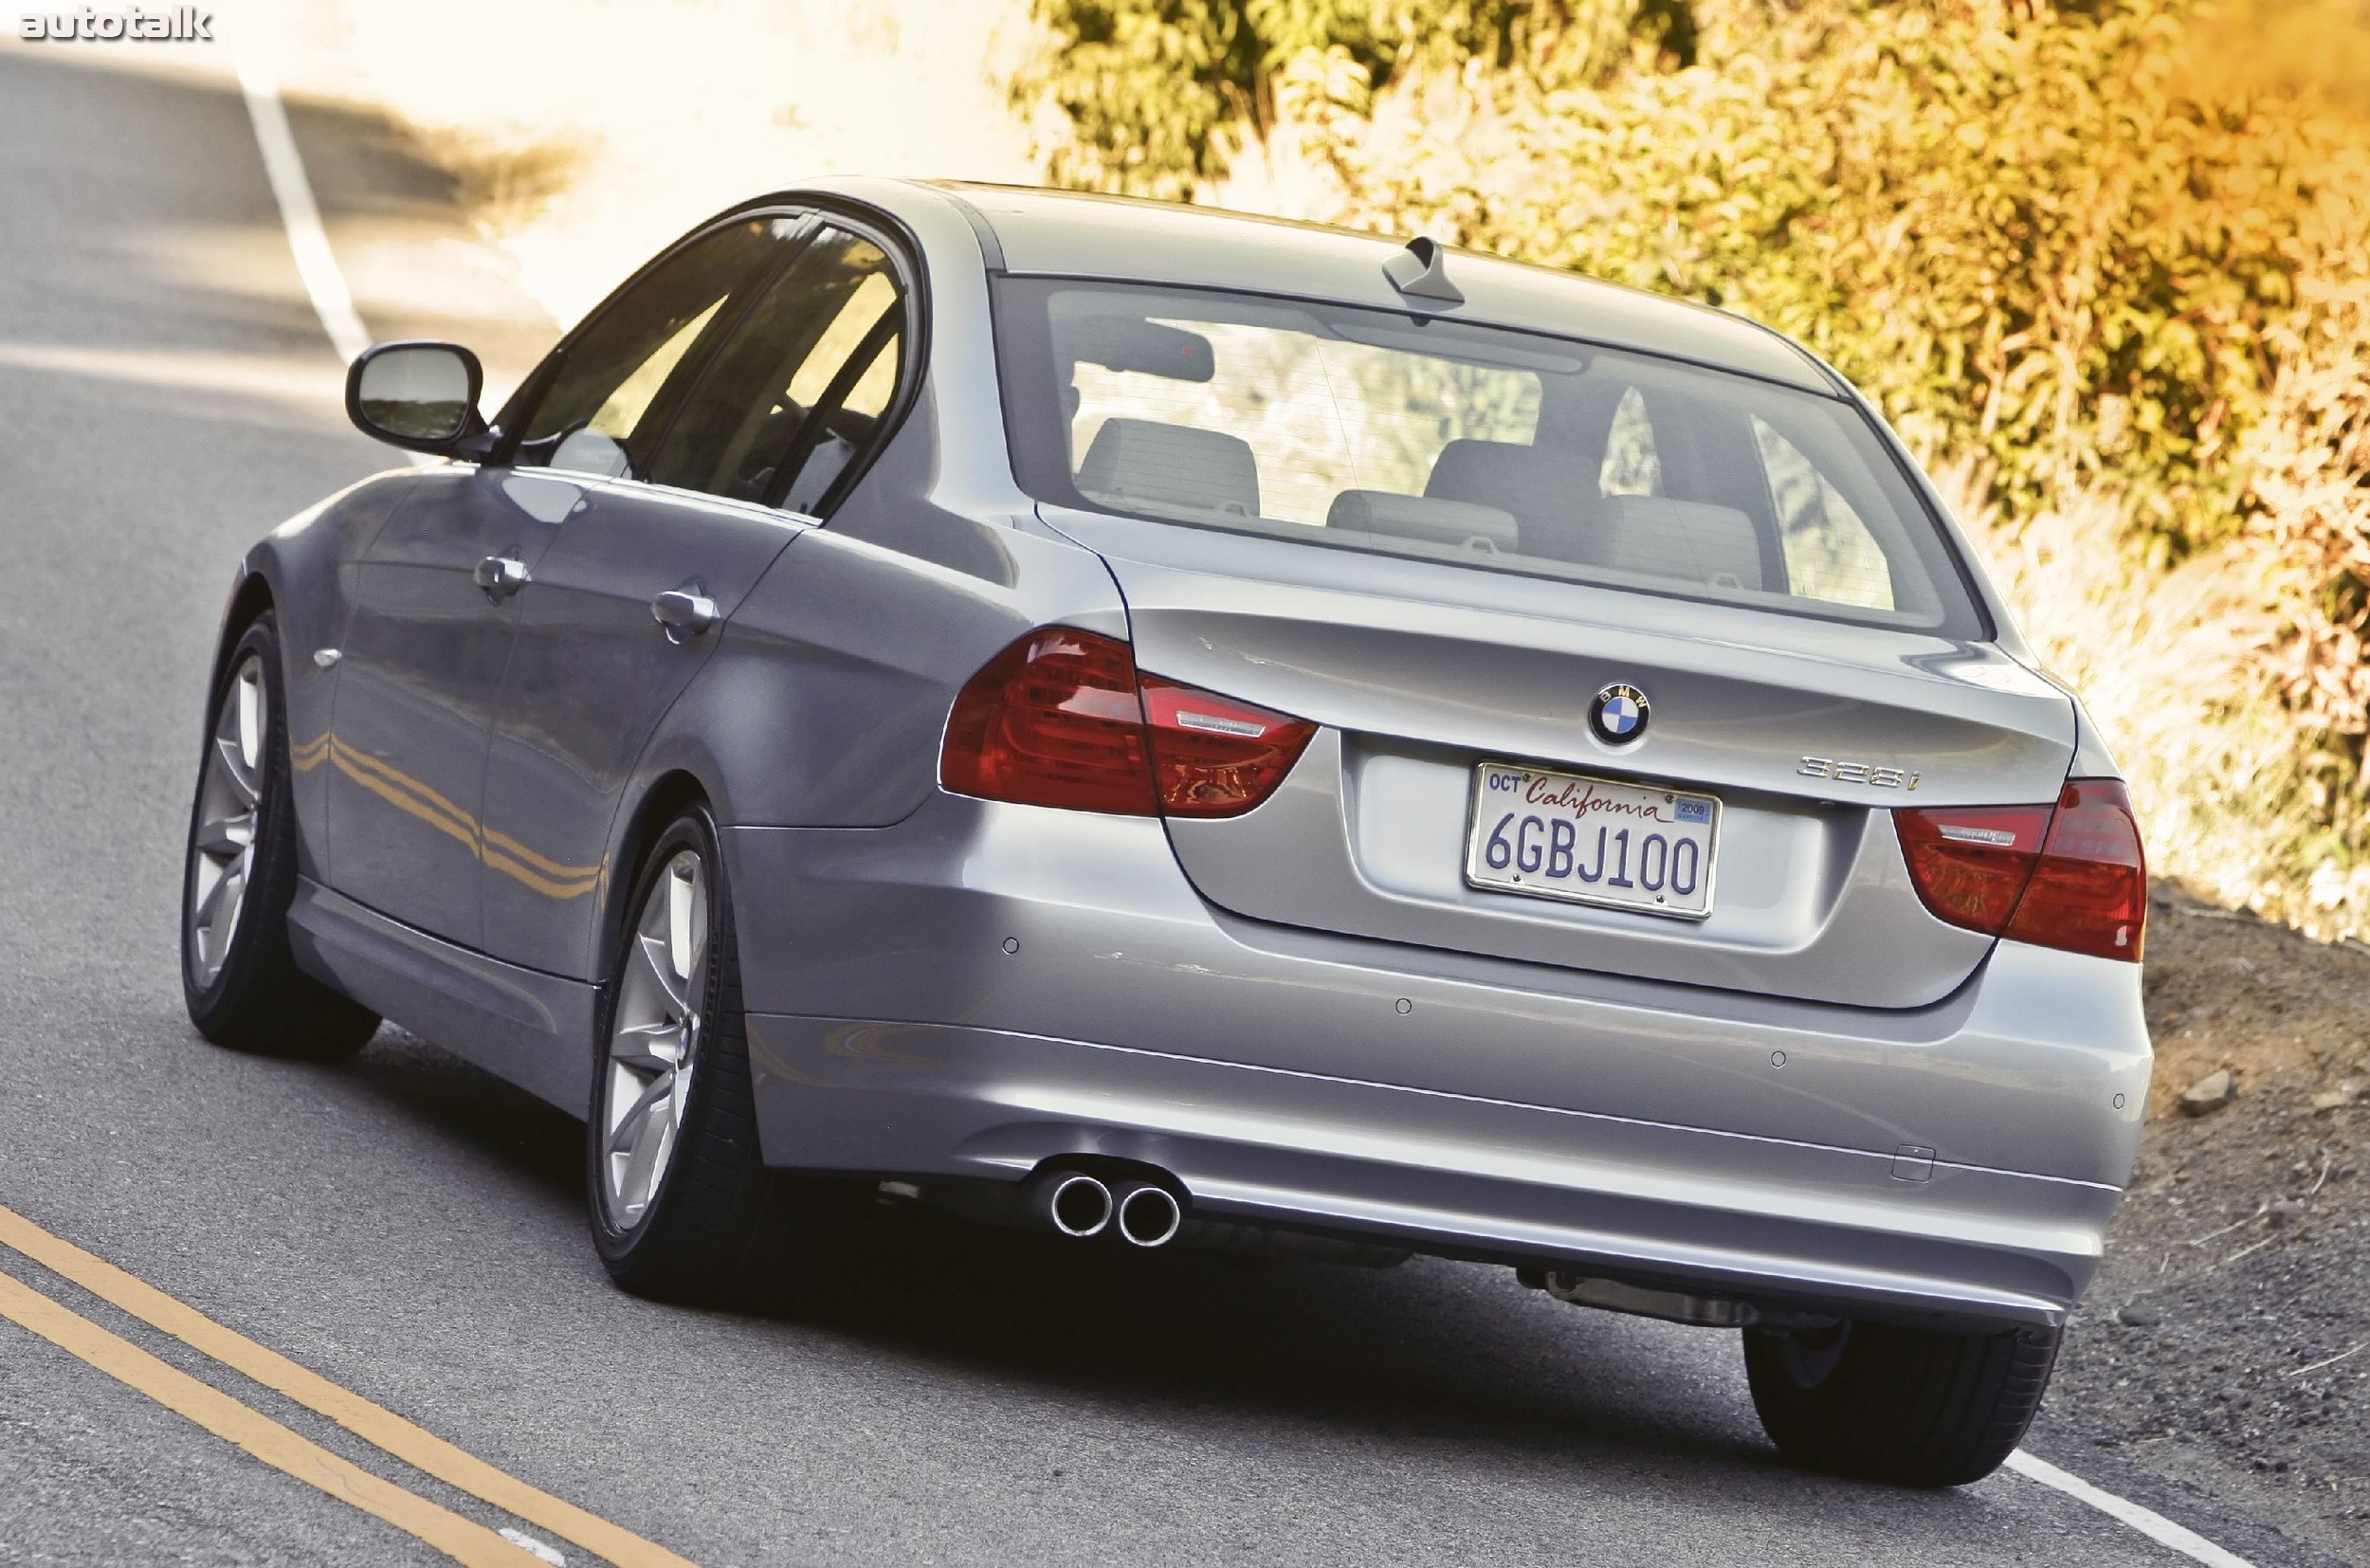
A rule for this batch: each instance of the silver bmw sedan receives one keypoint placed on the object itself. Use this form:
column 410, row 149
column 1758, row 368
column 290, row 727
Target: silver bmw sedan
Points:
column 1180, row 730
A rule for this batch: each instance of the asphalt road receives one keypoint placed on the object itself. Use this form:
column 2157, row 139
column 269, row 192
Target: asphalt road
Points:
column 412, row 1229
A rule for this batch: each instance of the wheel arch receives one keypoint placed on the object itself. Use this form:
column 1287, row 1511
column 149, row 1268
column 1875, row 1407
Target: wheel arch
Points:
column 250, row 599
column 294, row 570
column 666, row 796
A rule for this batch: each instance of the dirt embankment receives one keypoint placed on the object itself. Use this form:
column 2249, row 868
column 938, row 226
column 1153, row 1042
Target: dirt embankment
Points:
column 2232, row 1314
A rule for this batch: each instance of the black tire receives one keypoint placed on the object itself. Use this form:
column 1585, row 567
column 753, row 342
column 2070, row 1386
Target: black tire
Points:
column 254, row 998
column 1915, row 1406
column 711, row 1231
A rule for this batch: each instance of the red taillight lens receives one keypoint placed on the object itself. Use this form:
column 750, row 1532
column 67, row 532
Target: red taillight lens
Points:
column 2091, row 892
column 1214, row 756
column 1971, row 864
column 2070, row 876
column 1052, row 721
column 1059, row 719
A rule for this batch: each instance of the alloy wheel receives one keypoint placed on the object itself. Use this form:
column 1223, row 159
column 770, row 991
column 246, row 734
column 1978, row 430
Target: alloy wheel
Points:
column 221, row 851
column 653, row 1040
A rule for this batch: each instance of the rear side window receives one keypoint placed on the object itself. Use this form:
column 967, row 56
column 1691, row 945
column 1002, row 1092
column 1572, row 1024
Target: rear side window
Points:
column 1478, row 447
column 606, row 403
column 1829, row 553
column 800, row 388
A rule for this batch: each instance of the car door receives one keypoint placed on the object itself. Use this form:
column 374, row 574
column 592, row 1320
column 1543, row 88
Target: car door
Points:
column 418, row 671
column 629, row 598
column 435, row 600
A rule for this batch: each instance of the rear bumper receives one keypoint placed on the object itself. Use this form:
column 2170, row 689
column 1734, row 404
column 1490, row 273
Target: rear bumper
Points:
column 983, row 988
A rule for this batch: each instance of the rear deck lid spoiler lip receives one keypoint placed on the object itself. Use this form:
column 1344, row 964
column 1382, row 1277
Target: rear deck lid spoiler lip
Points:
column 1181, row 545
column 1264, row 640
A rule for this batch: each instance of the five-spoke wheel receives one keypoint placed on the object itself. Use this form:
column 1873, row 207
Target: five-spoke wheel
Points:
column 230, row 802
column 653, row 1039
column 682, row 1204
column 238, row 974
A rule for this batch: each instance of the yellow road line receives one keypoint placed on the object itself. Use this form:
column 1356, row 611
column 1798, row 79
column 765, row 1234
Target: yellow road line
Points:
column 460, row 825
column 413, row 1445
column 412, row 797
column 545, row 885
column 349, row 755
column 463, row 1540
column 541, row 863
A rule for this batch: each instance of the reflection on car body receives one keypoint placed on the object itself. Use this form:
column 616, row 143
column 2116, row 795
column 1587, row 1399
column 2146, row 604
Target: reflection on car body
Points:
column 996, row 696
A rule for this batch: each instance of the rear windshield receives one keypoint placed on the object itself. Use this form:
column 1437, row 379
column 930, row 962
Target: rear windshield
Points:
column 1479, row 447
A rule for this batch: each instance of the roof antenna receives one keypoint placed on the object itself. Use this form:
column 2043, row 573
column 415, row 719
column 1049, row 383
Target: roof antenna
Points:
column 1421, row 272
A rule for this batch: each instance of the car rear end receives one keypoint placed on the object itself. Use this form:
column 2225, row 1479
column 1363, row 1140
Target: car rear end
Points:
column 1563, row 796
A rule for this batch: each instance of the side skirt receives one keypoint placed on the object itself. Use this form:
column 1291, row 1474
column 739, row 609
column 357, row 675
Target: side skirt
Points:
column 521, row 1025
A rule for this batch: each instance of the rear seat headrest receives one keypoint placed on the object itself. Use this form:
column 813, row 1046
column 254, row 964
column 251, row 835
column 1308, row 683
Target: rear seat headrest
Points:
column 1549, row 493
column 1145, row 463
column 1654, row 536
column 1484, row 530
column 1488, row 472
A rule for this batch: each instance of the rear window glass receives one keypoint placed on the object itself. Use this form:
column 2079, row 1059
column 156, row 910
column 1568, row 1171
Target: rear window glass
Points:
column 1479, row 447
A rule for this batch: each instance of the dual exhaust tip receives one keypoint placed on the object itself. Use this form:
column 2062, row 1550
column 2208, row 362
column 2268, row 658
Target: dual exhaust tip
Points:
column 1079, row 1205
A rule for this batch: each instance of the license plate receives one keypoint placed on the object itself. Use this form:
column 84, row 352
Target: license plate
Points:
column 1551, row 836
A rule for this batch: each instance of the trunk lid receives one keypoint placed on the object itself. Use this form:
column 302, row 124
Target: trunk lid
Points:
column 1806, row 730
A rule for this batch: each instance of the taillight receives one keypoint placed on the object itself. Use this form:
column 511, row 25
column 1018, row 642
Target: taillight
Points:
column 2090, row 894
column 1052, row 721
column 1212, row 755
column 1061, row 717
column 2068, row 876
column 1970, row 865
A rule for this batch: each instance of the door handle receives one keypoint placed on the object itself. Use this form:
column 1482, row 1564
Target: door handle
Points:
column 683, row 611
column 501, row 577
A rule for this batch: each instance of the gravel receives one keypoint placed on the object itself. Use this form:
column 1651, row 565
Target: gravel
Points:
column 2232, row 1314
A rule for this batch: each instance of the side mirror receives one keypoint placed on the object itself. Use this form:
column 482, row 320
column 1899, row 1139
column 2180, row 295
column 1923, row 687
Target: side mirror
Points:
column 421, row 396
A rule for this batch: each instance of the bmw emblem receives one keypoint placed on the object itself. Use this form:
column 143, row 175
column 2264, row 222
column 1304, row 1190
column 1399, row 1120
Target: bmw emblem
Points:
column 1618, row 714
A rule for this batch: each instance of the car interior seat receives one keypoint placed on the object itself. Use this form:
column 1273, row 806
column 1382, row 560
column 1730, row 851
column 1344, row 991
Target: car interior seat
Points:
column 1687, row 540
column 1550, row 496
column 1464, row 526
column 1144, row 465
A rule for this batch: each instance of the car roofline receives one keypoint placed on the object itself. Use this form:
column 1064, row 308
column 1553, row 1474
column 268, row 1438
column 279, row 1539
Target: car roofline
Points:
column 983, row 223
column 878, row 192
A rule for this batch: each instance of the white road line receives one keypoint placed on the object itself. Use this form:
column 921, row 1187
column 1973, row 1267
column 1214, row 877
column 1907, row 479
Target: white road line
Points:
column 2147, row 1521
column 542, row 1549
column 315, row 262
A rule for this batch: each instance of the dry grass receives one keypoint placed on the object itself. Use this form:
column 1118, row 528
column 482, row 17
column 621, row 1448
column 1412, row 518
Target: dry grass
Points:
column 2173, row 666
column 505, row 182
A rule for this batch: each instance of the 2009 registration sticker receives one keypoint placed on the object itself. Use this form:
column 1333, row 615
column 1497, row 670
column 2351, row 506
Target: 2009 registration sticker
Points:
column 1597, row 841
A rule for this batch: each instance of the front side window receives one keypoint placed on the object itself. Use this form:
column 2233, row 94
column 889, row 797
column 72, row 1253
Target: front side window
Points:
column 1479, row 447
column 619, row 380
column 801, row 387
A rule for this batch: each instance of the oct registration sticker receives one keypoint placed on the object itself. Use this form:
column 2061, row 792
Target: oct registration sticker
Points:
column 1551, row 836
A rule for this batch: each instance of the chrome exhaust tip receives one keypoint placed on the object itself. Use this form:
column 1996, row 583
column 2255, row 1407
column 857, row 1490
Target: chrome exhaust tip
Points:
column 1149, row 1216
column 1075, row 1204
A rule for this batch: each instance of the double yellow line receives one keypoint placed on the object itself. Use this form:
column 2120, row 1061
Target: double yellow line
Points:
column 463, row 1540
column 409, row 795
